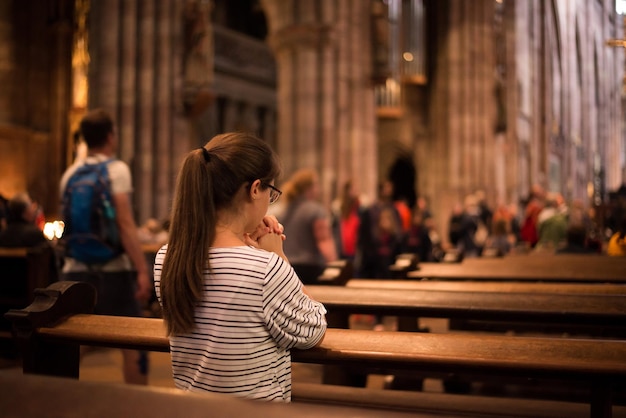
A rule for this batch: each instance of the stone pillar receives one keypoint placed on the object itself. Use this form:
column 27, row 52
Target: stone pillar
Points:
column 7, row 61
column 143, row 161
column 326, row 118
column 128, row 80
column 163, row 115
column 269, row 124
column 136, row 73
column 181, row 131
column 59, row 98
column 363, row 139
column 460, row 158
column 104, row 41
column 230, row 115
column 249, row 119
column 511, row 99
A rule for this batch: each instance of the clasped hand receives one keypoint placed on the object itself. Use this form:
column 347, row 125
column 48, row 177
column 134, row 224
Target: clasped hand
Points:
column 268, row 236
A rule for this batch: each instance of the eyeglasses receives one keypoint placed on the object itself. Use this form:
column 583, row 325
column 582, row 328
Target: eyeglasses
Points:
column 274, row 193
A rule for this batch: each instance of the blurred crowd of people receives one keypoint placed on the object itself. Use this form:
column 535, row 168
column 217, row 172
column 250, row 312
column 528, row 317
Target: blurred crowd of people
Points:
column 21, row 222
column 372, row 235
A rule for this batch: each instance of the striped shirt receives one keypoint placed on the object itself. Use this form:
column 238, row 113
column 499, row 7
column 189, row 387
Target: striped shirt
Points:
column 252, row 312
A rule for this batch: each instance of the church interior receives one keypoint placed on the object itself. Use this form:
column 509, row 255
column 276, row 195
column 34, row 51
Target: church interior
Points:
column 485, row 95
column 455, row 102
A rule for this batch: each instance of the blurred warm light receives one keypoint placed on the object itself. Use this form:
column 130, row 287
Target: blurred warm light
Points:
column 407, row 56
column 53, row 230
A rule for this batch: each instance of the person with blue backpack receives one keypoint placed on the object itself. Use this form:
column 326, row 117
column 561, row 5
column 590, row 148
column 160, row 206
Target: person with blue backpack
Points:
column 100, row 237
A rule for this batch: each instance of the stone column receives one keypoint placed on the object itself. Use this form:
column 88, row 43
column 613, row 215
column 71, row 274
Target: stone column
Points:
column 331, row 120
column 249, row 118
column 181, row 131
column 511, row 100
column 326, row 117
column 7, row 62
column 360, row 131
column 269, row 124
column 128, row 80
column 60, row 95
column 460, row 158
column 136, row 72
column 163, row 116
column 104, row 40
column 143, row 161
column 230, row 115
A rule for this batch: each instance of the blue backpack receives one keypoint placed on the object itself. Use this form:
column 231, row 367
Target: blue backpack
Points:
column 91, row 235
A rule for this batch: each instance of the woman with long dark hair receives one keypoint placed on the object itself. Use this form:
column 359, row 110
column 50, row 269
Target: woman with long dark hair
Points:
column 232, row 303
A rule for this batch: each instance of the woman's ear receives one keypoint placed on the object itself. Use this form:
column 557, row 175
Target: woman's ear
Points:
column 255, row 189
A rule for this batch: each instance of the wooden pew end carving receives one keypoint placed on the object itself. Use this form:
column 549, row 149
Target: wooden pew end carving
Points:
column 54, row 303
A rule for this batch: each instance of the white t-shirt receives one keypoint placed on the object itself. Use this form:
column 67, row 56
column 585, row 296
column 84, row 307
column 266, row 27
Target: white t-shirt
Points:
column 253, row 310
column 121, row 182
column 119, row 173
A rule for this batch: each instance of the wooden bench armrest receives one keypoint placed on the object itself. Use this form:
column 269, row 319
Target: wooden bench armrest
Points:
column 52, row 304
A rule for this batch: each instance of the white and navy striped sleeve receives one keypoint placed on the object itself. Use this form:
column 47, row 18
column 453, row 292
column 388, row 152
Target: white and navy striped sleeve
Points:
column 293, row 319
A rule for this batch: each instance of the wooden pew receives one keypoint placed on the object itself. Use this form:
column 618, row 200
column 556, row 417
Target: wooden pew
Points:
column 52, row 397
column 502, row 307
column 22, row 270
column 594, row 264
column 441, row 404
column 469, row 308
column 537, row 268
column 552, row 268
column 541, row 258
column 51, row 330
column 471, row 301
column 591, row 313
column 33, row 396
column 491, row 286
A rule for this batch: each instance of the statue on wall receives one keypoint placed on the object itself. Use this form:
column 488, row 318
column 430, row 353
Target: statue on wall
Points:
column 198, row 56
column 80, row 56
column 500, row 98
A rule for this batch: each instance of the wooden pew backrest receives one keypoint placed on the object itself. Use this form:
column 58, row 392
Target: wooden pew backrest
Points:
column 582, row 269
column 22, row 270
column 53, row 397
